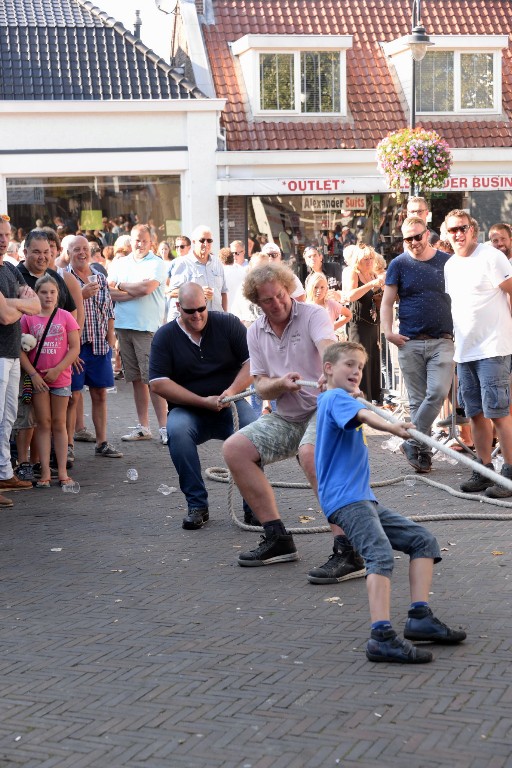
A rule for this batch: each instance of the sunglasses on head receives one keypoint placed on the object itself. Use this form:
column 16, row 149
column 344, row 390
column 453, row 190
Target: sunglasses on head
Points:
column 414, row 238
column 5, row 217
column 205, row 240
column 463, row 228
column 192, row 311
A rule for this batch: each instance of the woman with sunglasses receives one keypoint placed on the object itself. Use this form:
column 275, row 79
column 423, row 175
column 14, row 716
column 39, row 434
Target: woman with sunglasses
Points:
column 364, row 289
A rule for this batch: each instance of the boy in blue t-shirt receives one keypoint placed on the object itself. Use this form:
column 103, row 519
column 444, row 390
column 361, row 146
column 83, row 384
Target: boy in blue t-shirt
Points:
column 343, row 473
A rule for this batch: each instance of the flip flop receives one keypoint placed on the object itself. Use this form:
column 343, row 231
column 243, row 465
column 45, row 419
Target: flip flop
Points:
column 66, row 481
column 43, row 484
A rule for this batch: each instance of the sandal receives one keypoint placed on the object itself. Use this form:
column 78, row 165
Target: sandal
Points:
column 43, row 484
column 66, row 481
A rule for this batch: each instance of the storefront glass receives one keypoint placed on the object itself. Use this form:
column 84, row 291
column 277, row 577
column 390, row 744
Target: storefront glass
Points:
column 81, row 203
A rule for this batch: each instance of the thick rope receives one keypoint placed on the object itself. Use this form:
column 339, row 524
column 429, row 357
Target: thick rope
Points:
column 222, row 475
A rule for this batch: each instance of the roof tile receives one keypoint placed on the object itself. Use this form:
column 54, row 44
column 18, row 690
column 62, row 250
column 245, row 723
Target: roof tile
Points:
column 373, row 102
column 68, row 39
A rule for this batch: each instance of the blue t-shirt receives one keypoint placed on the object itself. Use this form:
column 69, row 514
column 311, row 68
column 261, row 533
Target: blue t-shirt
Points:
column 424, row 306
column 341, row 452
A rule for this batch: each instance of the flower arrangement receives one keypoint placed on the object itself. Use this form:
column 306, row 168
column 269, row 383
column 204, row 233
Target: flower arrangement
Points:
column 416, row 154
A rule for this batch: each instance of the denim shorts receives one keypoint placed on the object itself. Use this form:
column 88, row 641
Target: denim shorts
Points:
column 276, row 439
column 97, row 370
column 484, row 387
column 375, row 531
column 61, row 391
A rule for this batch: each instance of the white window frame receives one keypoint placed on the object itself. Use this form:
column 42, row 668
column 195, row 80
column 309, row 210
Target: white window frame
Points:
column 399, row 53
column 249, row 48
column 457, row 107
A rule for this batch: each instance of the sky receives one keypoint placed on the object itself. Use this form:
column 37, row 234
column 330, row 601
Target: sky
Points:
column 156, row 26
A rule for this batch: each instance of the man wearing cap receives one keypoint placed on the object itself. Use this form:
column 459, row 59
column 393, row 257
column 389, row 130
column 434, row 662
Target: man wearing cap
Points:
column 273, row 251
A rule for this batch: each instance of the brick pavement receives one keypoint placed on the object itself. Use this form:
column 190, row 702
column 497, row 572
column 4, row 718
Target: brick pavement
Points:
column 140, row 644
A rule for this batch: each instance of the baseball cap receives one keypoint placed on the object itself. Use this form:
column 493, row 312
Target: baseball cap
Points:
column 271, row 248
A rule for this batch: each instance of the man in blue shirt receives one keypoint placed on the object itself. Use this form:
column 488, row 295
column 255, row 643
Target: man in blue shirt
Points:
column 425, row 337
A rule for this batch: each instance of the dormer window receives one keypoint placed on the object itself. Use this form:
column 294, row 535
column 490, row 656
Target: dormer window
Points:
column 460, row 74
column 294, row 74
column 455, row 81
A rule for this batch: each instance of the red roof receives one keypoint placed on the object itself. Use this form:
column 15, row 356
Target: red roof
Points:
column 374, row 103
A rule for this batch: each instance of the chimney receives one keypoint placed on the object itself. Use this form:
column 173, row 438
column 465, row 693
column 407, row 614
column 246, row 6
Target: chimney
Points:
column 137, row 25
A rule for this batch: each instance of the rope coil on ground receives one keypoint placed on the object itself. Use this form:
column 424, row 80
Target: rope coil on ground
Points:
column 222, row 475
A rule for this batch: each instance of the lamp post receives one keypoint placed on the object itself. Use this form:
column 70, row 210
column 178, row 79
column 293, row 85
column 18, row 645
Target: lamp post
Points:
column 418, row 41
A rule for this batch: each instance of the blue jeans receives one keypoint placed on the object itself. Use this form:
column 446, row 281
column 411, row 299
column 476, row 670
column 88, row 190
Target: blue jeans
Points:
column 427, row 367
column 189, row 427
column 484, row 387
column 375, row 531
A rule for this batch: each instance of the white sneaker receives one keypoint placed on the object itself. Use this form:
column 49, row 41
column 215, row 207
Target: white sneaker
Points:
column 138, row 433
column 164, row 439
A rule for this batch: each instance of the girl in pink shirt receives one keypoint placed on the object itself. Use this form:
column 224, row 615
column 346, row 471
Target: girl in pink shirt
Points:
column 51, row 378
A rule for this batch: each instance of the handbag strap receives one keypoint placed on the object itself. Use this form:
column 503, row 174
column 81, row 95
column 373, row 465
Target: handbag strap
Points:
column 43, row 337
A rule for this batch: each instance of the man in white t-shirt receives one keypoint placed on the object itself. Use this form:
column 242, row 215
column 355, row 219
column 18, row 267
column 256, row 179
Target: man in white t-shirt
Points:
column 136, row 284
column 479, row 282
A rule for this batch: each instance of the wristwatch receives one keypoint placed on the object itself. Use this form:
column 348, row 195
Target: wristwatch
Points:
column 118, row 285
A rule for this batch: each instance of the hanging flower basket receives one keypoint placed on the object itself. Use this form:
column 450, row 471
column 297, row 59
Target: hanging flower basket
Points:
column 422, row 157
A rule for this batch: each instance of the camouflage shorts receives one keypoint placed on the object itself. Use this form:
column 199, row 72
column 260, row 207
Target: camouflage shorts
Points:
column 276, row 439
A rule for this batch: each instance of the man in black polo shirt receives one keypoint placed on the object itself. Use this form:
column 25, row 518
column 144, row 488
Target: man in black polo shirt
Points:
column 196, row 360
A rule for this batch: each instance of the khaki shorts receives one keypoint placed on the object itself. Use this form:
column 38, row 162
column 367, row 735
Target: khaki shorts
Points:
column 135, row 347
column 276, row 439
column 25, row 418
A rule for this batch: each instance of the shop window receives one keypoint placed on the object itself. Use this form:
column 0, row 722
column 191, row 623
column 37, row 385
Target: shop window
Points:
column 455, row 81
column 83, row 202
column 294, row 74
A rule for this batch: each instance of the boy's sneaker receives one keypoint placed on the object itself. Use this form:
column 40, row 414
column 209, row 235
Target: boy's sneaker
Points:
column 385, row 645
column 164, row 438
column 421, row 624
column 273, row 548
column 344, row 564
column 107, row 450
column 84, row 436
column 498, row 491
column 24, row 471
column 138, row 433
column 477, row 482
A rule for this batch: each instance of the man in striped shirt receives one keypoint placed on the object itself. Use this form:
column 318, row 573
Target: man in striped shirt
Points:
column 97, row 341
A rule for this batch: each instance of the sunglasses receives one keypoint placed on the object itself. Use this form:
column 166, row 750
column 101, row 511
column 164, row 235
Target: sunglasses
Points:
column 273, row 255
column 5, row 217
column 414, row 238
column 192, row 311
column 181, row 246
column 463, row 228
column 236, row 253
column 205, row 240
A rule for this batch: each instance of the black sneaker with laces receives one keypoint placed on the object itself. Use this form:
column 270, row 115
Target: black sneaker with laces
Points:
column 477, row 482
column 421, row 624
column 385, row 645
column 24, row 471
column 344, row 564
column 195, row 519
column 273, row 548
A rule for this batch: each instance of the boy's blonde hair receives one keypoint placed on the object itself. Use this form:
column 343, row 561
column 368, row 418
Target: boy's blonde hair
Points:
column 335, row 351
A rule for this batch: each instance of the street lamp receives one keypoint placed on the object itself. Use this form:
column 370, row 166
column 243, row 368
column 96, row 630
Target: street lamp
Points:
column 418, row 41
